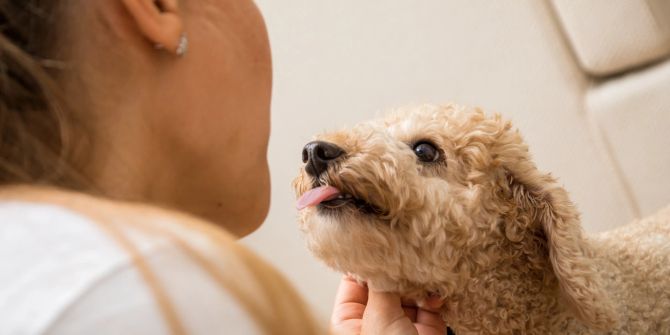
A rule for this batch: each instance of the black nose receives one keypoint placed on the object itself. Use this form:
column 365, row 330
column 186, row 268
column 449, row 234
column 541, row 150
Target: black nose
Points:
column 317, row 155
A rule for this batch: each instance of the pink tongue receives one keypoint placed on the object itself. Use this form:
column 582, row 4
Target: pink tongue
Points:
column 316, row 196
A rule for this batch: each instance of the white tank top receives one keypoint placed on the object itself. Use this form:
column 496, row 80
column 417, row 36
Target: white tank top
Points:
column 60, row 273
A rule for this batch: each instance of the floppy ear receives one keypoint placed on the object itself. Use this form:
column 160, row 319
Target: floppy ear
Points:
column 539, row 204
column 546, row 206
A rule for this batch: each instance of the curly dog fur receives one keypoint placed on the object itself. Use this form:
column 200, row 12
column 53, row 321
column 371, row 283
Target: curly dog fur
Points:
column 483, row 228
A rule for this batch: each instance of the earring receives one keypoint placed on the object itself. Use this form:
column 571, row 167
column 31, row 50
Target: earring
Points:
column 182, row 47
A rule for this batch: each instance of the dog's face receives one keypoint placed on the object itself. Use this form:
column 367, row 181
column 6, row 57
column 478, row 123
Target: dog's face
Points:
column 411, row 195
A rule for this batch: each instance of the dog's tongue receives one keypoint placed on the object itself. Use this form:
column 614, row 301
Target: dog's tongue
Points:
column 316, row 196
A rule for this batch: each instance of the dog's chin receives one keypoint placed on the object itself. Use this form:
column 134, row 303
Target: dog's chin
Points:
column 346, row 241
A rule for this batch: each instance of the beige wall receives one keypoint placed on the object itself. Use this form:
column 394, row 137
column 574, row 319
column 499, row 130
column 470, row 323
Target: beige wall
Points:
column 339, row 62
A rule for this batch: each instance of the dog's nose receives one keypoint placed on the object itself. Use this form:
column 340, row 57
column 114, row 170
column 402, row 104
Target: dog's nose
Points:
column 318, row 154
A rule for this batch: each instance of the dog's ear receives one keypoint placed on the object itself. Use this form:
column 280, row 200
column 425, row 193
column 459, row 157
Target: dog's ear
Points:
column 542, row 205
column 538, row 207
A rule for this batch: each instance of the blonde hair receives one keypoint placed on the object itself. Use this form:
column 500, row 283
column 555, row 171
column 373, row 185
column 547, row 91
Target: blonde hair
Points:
column 36, row 149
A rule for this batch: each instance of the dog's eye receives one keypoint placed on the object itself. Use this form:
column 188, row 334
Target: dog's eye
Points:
column 426, row 152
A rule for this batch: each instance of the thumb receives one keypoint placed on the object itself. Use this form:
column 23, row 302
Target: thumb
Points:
column 386, row 302
column 384, row 315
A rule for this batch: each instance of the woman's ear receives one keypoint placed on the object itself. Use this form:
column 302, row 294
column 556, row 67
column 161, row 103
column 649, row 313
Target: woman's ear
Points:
column 160, row 21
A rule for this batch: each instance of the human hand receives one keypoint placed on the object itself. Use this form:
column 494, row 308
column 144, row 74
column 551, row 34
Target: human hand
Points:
column 361, row 311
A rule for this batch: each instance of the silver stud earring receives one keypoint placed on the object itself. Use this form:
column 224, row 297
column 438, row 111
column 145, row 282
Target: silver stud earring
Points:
column 182, row 47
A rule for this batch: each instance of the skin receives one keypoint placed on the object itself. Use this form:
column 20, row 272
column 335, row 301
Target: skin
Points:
column 185, row 132
column 191, row 132
column 359, row 310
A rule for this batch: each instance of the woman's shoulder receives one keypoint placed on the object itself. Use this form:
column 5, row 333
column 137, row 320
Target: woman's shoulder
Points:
column 34, row 219
column 50, row 258
column 70, row 262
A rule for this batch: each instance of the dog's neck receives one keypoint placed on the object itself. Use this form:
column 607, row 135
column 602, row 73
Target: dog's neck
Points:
column 518, row 299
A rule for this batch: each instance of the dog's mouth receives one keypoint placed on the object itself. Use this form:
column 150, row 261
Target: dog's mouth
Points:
column 329, row 199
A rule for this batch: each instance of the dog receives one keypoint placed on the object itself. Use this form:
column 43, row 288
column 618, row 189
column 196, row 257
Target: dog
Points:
column 446, row 200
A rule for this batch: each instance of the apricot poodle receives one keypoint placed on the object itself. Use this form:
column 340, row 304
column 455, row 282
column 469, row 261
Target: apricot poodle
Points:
column 447, row 200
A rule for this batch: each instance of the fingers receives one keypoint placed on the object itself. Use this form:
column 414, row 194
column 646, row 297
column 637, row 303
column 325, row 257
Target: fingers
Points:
column 349, row 306
column 384, row 314
column 351, row 291
column 409, row 306
column 358, row 310
column 429, row 322
column 433, row 303
column 431, row 319
column 410, row 312
column 425, row 330
column 384, row 305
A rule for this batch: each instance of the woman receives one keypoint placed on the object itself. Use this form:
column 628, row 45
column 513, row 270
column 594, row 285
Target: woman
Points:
column 114, row 116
